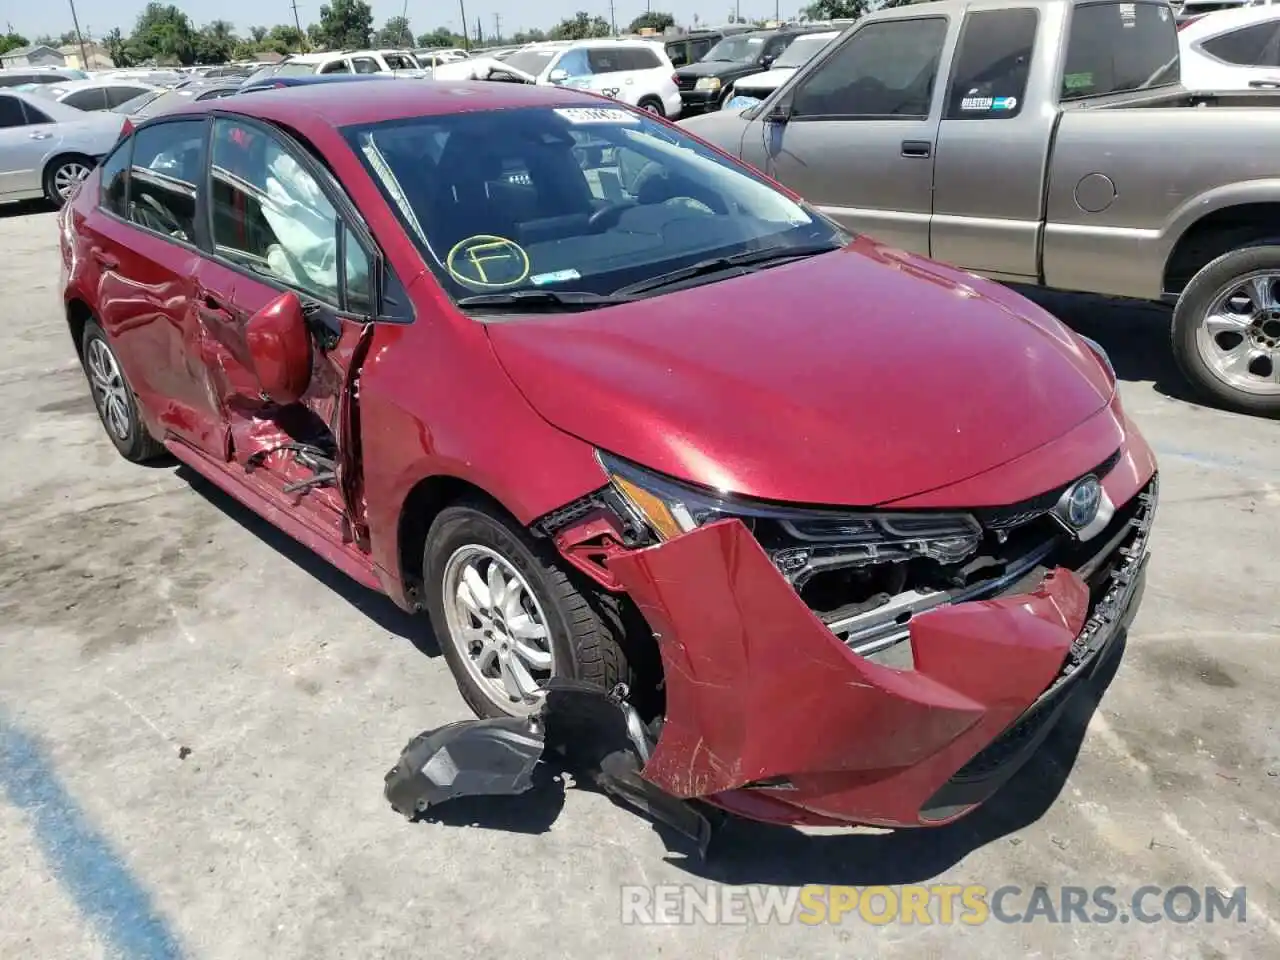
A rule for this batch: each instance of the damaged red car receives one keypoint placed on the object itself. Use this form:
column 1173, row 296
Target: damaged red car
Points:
column 837, row 528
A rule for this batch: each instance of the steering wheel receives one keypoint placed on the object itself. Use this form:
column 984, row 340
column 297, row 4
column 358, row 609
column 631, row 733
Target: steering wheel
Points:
column 608, row 216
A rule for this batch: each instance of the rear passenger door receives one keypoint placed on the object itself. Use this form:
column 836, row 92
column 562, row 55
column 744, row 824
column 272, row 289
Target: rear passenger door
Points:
column 992, row 151
column 145, row 242
column 861, row 121
column 23, row 147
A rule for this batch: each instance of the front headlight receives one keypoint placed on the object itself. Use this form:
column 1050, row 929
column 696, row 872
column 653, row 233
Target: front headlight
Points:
column 800, row 541
column 708, row 83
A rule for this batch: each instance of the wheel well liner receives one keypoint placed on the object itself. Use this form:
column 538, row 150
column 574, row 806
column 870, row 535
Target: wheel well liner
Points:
column 428, row 497
column 1242, row 225
column 78, row 314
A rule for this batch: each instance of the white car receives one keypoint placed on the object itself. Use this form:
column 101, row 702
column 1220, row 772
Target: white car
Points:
column 1232, row 49
column 399, row 63
column 637, row 72
column 47, row 148
column 93, row 94
column 801, row 50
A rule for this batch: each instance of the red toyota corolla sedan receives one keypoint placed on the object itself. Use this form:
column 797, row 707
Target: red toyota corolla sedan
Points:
column 610, row 406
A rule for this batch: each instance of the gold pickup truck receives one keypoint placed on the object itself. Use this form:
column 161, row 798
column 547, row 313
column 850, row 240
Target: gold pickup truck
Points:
column 1046, row 142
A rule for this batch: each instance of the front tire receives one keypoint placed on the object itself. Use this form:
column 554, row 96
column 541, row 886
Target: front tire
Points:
column 509, row 616
column 114, row 400
column 1226, row 331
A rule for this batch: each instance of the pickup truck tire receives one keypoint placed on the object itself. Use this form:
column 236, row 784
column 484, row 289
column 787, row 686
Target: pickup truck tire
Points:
column 553, row 612
column 1226, row 330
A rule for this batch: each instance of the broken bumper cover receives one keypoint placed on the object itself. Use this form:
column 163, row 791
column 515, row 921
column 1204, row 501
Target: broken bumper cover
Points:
column 771, row 717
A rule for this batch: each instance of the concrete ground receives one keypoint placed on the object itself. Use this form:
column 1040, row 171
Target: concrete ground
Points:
column 196, row 716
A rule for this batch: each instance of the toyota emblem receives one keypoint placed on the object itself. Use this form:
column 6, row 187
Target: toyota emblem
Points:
column 1083, row 501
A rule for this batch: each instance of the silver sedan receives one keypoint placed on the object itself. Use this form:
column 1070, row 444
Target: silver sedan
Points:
column 47, row 148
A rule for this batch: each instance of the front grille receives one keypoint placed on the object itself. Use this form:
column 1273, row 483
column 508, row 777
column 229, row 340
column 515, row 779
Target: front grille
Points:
column 1018, row 514
column 686, row 83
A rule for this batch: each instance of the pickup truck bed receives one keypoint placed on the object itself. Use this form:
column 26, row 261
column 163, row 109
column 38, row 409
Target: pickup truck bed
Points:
column 1046, row 142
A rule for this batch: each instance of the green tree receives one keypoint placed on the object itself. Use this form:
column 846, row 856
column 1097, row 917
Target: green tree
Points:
column 653, row 20
column 216, row 42
column 440, row 37
column 258, row 35
column 529, row 36
column 115, row 44
column 581, row 26
column 396, row 32
column 836, row 9
column 346, row 24
column 315, row 36
column 163, row 32
column 12, row 41
column 283, row 38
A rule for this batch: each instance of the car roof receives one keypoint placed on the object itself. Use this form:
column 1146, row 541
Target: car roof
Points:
column 59, row 112
column 1219, row 20
column 71, row 86
column 343, row 104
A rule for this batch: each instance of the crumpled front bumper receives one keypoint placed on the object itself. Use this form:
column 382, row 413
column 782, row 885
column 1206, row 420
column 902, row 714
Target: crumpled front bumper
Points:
column 770, row 716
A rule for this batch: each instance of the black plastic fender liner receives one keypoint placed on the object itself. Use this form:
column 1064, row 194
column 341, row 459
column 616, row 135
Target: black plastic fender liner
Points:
column 580, row 729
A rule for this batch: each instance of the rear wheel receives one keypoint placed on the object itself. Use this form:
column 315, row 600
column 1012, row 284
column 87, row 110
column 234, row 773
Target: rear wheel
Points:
column 63, row 176
column 653, row 105
column 114, row 399
column 1226, row 330
column 509, row 616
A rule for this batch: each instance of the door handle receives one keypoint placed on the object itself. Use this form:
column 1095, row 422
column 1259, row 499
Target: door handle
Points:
column 104, row 259
column 917, row 149
column 38, row 135
column 210, row 302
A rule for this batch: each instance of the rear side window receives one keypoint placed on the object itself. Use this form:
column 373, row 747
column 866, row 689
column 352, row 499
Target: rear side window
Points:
column 1252, row 46
column 115, row 180
column 608, row 60
column 166, row 166
column 989, row 78
column 34, row 115
column 119, row 95
column 885, row 70
column 11, row 113
column 366, row 65
column 1117, row 47
column 678, row 52
column 398, row 61
column 638, row 58
column 94, row 98
column 338, row 66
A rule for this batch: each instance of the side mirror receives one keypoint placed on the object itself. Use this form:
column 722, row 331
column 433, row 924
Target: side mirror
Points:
column 280, row 349
column 780, row 112
column 558, row 75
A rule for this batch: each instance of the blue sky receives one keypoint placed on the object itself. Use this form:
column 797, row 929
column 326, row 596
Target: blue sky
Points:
column 99, row 16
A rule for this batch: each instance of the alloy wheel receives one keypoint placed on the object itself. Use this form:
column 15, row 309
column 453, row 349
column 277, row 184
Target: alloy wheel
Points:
column 67, row 177
column 497, row 625
column 108, row 389
column 1239, row 335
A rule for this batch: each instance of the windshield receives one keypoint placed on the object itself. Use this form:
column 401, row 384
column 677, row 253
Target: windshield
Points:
column 532, row 62
column 737, row 49
column 579, row 199
column 802, row 50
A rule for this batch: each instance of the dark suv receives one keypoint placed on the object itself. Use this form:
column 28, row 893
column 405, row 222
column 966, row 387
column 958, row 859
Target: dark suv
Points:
column 693, row 46
column 703, row 84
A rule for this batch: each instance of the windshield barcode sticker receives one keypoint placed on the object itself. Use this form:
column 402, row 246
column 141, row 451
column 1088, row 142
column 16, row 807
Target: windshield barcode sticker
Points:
column 596, row 115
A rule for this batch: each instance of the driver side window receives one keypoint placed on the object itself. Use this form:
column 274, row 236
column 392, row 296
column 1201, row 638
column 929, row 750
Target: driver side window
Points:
column 271, row 216
column 575, row 63
column 886, row 70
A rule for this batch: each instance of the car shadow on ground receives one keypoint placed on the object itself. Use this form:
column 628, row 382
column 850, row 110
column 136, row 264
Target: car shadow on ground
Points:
column 376, row 606
column 1135, row 334
column 744, row 852
column 25, row 208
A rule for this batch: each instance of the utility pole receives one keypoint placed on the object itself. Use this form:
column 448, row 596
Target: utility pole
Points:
column 297, row 22
column 479, row 33
column 613, row 21
column 497, row 28
column 75, row 21
column 466, row 38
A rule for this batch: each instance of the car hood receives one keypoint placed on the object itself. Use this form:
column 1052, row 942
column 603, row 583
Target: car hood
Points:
column 721, row 128
column 769, row 80
column 716, row 68
column 852, row 378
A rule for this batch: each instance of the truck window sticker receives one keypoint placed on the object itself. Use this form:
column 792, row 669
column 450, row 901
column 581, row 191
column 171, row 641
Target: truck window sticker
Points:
column 1078, row 81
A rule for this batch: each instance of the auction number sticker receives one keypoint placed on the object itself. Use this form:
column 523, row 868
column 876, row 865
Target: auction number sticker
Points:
column 579, row 115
